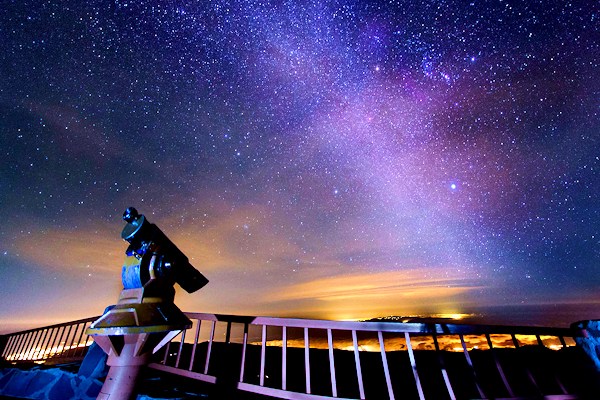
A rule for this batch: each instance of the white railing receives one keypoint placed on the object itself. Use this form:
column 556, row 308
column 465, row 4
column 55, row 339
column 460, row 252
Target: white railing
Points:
column 60, row 342
column 317, row 359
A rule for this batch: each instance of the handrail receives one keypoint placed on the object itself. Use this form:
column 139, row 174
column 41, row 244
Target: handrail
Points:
column 411, row 327
column 280, row 357
column 320, row 359
column 53, row 343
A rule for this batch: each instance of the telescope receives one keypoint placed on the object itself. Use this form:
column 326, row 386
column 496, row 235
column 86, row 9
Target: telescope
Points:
column 145, row 318
column 156, row 259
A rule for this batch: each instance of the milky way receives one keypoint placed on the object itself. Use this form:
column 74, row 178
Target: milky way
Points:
column 320, row 159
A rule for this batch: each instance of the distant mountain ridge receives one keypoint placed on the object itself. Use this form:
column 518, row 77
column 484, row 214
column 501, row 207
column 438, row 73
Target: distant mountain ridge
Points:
column 429, row 319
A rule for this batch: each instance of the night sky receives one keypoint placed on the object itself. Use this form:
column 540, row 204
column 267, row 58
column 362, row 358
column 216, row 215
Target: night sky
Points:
column 334, row 159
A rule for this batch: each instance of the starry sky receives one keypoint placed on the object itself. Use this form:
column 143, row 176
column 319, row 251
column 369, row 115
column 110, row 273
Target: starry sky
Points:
column 324, row 159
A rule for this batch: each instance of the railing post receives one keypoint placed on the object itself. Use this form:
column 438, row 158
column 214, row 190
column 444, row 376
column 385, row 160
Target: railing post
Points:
column 34, row 345
column 562, row 342
column 228, row 333
column 8, row 342
column 527, row 370
column 25, row 345
column 87, row 337
column 6, row 348
column 14, row 346
column 413, row 364
column 62, row 351
column 17, row 345
column 22, row 345
column 48, row 344
column 307, row 360
column 386, row 369
column 167, row 349
column 73, row 337
column 331, row 363
column 443, row 367
column 3, row 343
column 244, row 345
column 284, row 358
column 361, row 389
column 60, row 340
column 263, row 355
column 498, row 366
column 14, row 340
column 9, row 346
column 210, row 342
column 182, row 340
column 471, row 367
column 556, row 378
column 70, row 351
column 195, row 345
column 53, row 337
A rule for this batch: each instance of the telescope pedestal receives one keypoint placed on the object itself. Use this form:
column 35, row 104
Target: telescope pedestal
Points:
column 120, row 383
column 127, row 355
column 130, row 333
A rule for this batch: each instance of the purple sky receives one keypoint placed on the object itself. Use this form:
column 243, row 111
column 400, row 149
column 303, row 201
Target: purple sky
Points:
column 337, row 159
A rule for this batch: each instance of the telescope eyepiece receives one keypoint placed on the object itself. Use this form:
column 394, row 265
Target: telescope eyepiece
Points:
column 130, row 215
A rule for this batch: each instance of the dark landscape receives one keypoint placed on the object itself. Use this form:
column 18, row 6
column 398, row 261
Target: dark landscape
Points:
column 569, row 366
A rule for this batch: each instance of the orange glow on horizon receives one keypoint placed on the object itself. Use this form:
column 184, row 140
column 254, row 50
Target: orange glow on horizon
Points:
column 366, row 295
column 244, row 258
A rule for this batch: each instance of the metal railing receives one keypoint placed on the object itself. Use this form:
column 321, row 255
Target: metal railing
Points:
column 317, row 359
column 55, row 343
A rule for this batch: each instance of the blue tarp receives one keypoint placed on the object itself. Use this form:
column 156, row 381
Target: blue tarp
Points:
column 48, row 384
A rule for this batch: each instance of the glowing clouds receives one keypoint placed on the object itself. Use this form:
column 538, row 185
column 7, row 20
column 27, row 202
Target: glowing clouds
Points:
column 80, row 251
column 360, row 295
